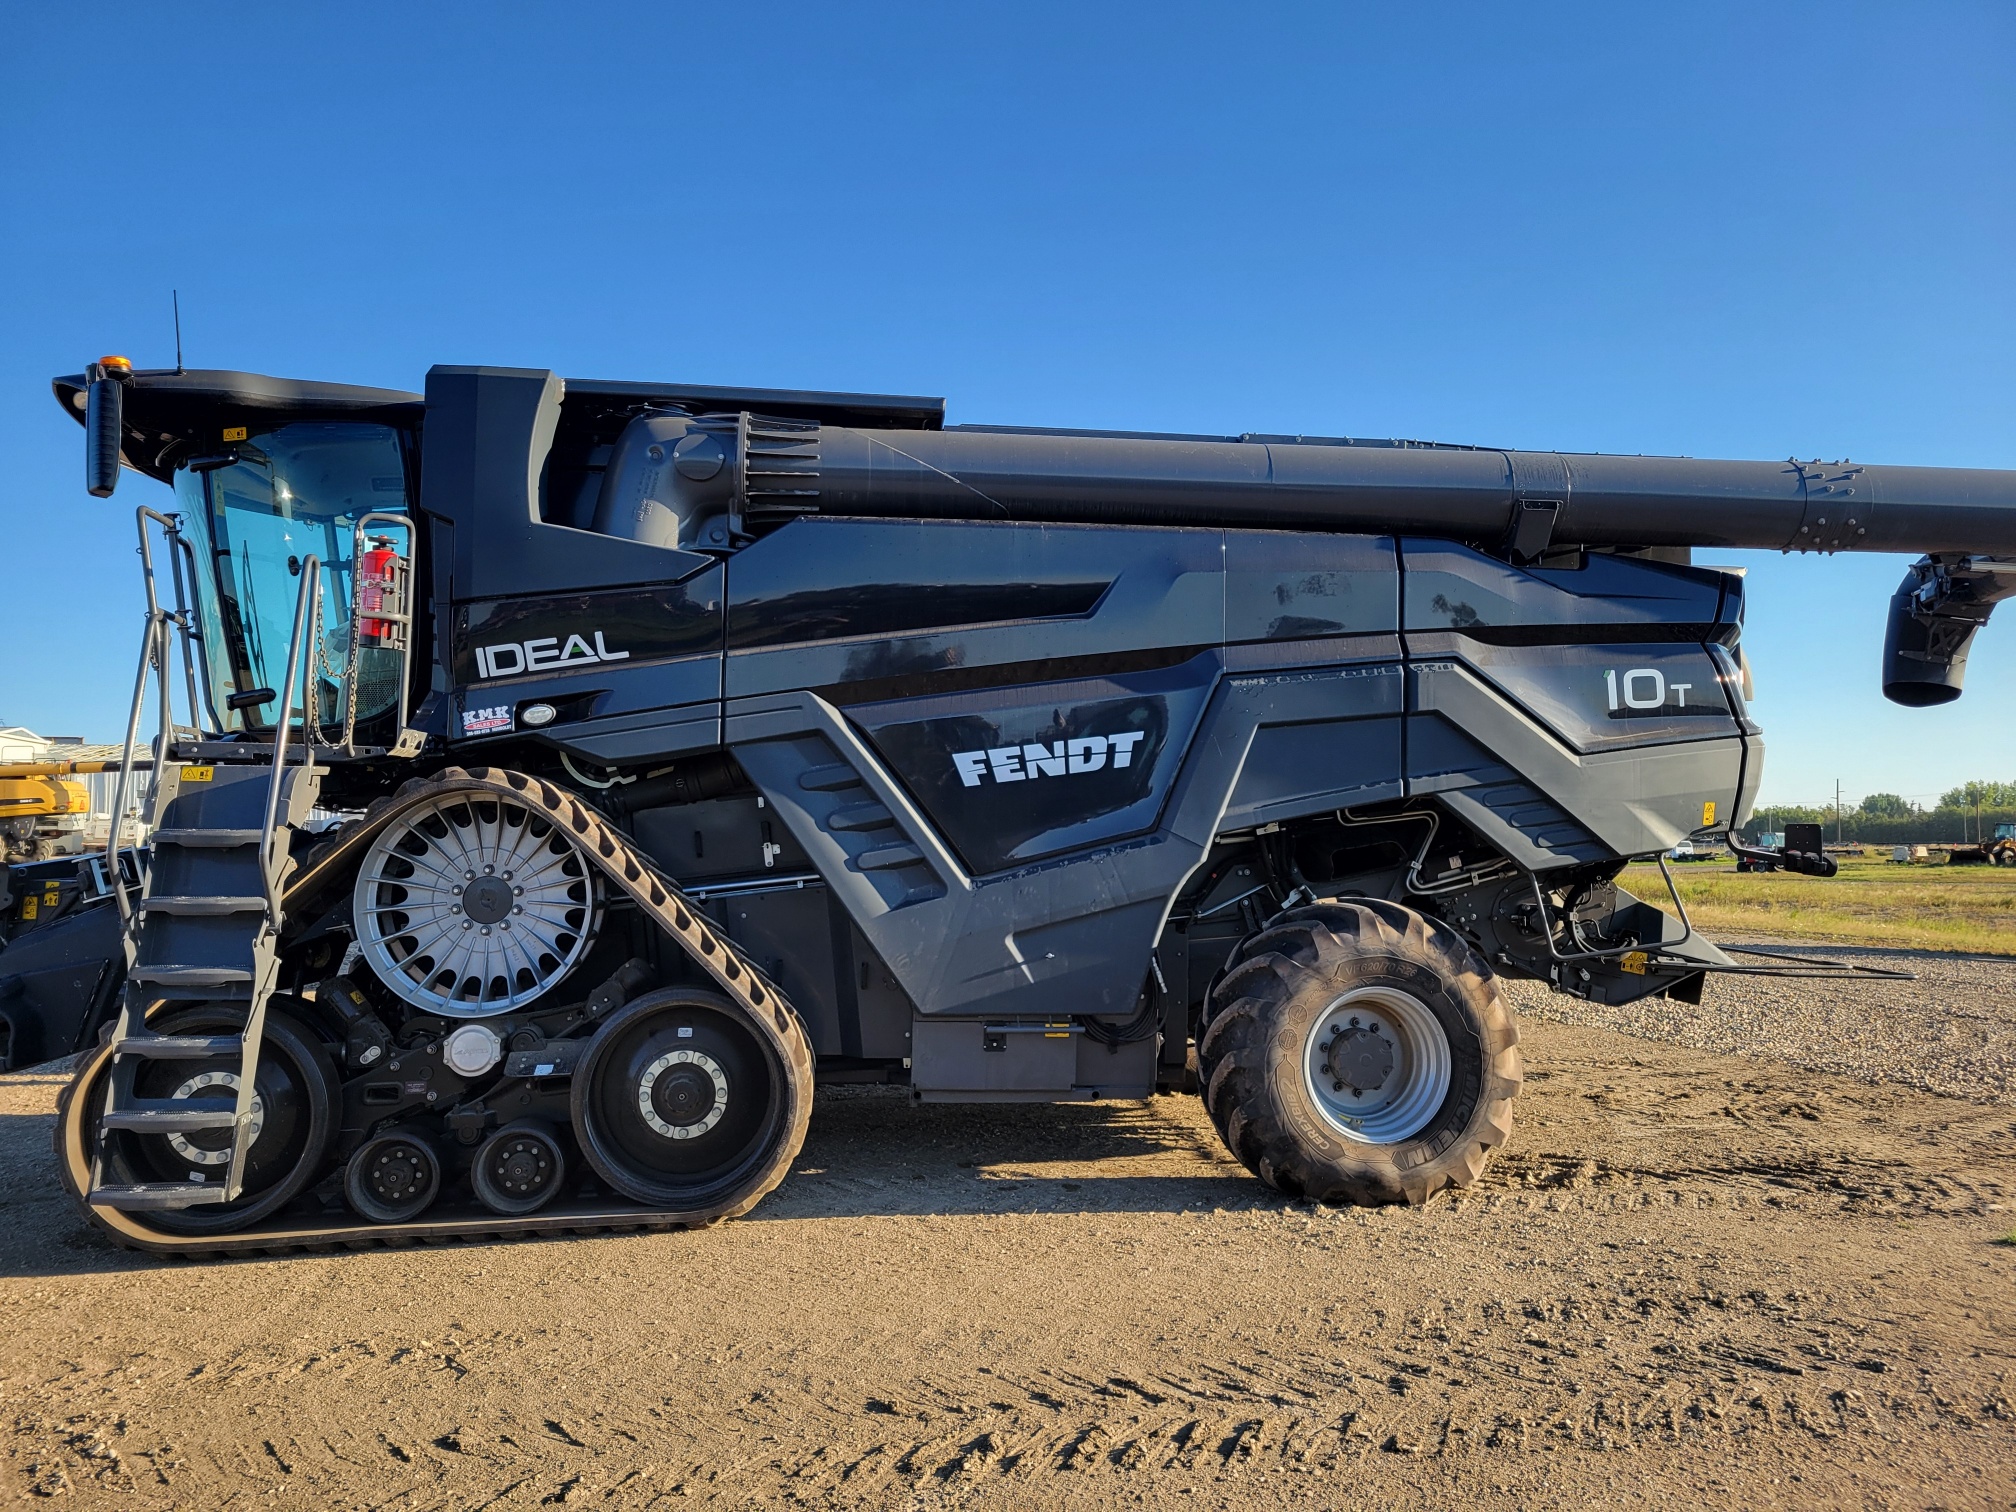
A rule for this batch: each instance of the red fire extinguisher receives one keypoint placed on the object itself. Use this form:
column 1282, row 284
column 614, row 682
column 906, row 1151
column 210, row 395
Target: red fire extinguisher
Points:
column 378, row 572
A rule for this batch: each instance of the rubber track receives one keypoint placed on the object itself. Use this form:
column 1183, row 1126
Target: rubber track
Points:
column 611, row 853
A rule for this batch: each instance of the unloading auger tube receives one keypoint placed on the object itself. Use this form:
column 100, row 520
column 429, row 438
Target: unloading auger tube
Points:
column 700, row 481
column 333, row 865
column 671, row 472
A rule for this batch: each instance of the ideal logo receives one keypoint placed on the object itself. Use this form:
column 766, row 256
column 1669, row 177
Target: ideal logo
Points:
column 1019, row 763
column 513, row 657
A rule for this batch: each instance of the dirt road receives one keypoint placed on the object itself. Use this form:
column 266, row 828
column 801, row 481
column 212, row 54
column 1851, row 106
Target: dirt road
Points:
column 1695, row 1276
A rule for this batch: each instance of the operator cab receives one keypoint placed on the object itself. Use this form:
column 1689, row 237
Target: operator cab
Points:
column 270, row 474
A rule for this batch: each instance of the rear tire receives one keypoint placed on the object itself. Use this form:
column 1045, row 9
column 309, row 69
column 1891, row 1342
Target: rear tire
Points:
column 1367, row 992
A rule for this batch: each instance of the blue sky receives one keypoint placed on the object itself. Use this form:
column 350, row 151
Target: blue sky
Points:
column 1716, row 230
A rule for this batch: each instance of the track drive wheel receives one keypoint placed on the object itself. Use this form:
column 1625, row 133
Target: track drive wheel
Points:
column 688, row 1103
column 1360, row 1053
column 294, row 1115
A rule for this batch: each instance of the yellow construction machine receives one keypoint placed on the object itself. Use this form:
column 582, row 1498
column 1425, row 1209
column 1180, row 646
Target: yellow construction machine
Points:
column 42, row 812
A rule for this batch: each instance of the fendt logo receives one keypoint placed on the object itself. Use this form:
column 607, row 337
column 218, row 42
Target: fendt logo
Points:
column 1073, row 758
column 510, row 658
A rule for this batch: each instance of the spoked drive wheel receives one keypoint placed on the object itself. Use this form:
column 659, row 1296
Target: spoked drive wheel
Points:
column 685, row 1102
column 471, row 905
column 1360, row 1053
column 294, row 1115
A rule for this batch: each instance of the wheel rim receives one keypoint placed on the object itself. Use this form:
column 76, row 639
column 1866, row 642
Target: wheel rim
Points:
column 473, row 905
column 1377, row 1064
column 677, row 1099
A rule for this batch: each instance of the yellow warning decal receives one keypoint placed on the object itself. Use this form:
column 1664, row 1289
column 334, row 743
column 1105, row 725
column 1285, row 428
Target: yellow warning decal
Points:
column 1633, row 961
column 198, row 774
column 28, row 907
column 234, row 433
column 1708, row 812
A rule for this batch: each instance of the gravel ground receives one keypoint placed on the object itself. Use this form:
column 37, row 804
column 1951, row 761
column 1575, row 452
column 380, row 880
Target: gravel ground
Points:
column 1695, row 1278
column 1952, row 1030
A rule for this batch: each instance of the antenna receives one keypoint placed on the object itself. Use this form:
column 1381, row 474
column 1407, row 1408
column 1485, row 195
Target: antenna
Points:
column 176, row 295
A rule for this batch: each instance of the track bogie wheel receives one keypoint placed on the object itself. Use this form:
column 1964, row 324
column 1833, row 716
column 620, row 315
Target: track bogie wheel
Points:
column 1360, row 1053
column 393, row 1178
column 519, row 1168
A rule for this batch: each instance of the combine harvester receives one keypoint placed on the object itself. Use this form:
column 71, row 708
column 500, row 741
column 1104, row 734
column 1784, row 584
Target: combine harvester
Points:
column 702, row 742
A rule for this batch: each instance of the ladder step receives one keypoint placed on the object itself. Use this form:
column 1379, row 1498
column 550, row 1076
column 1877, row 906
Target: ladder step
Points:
column 158, row 1194
column 175, row 1115
column 190, row 976
column 193, row 903
column 207, row 839
column 179, row 1046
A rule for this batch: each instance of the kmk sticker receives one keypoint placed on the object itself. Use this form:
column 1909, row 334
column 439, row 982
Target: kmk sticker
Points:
column 486, row 721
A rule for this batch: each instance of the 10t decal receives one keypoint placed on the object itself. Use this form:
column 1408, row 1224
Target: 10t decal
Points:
column 1642, row 688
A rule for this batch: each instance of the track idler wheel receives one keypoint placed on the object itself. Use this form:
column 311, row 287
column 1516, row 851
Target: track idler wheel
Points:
column 393, row 1178
column 519, row 1168
column 294, row 1117
column 685, row 1101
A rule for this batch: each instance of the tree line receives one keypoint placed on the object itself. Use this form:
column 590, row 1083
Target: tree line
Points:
column 1964, row 814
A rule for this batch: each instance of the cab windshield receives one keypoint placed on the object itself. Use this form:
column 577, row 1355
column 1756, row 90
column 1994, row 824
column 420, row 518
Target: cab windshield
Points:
column 254, row 515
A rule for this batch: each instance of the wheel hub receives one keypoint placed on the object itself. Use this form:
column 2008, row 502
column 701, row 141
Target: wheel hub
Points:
column 683, row 1093
column 487, row 900
column 397, row 1173
column 214, row 1084
column 522, row 1167
column 1360, row 1057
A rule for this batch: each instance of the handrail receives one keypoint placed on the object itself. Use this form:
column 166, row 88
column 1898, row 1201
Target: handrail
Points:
column 310, row 594
column 403, row 616
column 154, row 653
column 192, row 633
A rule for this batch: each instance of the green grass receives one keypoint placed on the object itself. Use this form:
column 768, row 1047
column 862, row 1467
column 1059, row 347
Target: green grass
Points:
column 2006, row 1239
column 1872, row 902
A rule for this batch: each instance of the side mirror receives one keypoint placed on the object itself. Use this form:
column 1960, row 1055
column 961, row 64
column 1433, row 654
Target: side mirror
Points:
column 105, row 423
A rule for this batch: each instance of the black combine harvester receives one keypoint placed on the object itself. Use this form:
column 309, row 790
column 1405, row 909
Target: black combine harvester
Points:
column 689, row 745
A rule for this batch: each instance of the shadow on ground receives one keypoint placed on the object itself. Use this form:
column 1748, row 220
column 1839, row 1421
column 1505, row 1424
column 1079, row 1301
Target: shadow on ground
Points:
column 871, row 1152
